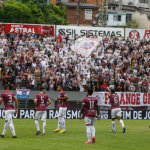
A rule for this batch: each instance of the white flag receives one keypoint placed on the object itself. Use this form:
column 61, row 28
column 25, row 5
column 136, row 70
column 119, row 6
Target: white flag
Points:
column 85, row 46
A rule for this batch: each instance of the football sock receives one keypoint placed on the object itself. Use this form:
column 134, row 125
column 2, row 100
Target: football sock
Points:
column 63, row 123
column 121, row 121
column 93, row 130
column 59, row 122
column 5, row 128
column 44, row 127
column 88, row 131
column 37, row 125
column 113, row 125
column 12, row 128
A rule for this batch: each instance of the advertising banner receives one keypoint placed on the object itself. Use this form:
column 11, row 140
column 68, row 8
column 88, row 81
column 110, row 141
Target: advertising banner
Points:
column 74, row 114
column 85, row 46
column 135, row 34
column 27, row 28
column 73, row 31
column 126, row 99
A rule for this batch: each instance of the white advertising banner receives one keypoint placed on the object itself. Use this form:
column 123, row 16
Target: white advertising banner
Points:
column 126, row 99
column 73, row 31
column 85, row 46
column 135, row 34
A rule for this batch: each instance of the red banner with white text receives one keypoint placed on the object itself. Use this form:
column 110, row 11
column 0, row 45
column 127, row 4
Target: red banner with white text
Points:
column 28, row 28
column 126, row 99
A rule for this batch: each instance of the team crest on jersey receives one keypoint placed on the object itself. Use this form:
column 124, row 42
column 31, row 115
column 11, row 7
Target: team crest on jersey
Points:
column 24, row 93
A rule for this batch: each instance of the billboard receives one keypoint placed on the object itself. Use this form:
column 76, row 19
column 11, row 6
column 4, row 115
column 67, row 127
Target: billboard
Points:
column 74, row 114
column 73, row 31
column 135, row 34
column 126, row 99
column 27, row 28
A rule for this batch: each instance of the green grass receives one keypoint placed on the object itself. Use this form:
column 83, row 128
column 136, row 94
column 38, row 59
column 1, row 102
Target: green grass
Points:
column 137, row 136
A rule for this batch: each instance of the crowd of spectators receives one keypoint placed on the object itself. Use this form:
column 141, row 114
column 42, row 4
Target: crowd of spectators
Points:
column 34, row 60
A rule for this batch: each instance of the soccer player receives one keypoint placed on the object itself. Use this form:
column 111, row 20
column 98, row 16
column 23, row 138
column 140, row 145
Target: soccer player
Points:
column 41, row 102
column 9, row 98
column 91, row 105
column 62, row 109
column 115, row 109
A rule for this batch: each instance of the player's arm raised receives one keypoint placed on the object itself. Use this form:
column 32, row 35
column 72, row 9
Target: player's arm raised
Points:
column 81, row 111
column 98, row 113
column 16, row 104
column 62, row 98
column 49, row 102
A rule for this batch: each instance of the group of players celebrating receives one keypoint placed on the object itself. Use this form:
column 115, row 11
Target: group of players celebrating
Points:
column 42, row 100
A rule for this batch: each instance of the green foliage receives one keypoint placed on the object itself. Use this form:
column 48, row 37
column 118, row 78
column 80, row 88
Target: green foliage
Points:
column 32, row 11
column 130, row 24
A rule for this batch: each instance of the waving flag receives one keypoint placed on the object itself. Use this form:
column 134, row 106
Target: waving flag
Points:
column 23, row 93
column 85, row 46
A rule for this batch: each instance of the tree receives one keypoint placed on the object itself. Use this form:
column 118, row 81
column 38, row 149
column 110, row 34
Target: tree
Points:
column 32, row 11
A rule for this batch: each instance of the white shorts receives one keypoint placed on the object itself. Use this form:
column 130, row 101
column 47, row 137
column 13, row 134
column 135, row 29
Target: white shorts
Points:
column 41, row 114
column 89, row 120
column 116, row 112
column 8, row 115
column 62, row 111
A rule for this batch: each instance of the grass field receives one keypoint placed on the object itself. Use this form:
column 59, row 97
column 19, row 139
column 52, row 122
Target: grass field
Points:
column 137, row 136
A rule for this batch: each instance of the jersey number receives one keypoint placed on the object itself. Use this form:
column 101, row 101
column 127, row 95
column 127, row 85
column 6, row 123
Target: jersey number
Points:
column 42, row 99
column 91, row 104
column 10, row 98
column 116, row 100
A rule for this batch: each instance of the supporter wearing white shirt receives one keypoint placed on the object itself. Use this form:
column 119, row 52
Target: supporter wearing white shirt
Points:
column 34, row 65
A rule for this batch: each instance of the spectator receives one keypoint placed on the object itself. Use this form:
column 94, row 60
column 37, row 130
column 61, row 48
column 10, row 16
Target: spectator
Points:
column 51, row 59
column 131, row 87
column 23, row 83
column 144, row 86
column 44, row 85
column 104, row 86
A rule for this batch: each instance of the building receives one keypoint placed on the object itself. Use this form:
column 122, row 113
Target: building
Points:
column 118, row 4
column 94, row 2
column 87, row 13
column 142, row 17
column 136, row 10
column 114, row 18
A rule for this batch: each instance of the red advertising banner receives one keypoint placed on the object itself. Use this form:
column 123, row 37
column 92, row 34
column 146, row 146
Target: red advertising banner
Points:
column 126, row 99
column 28, row 28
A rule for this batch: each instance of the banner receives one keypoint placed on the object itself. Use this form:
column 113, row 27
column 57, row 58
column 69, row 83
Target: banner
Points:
column 23, row 93
column 85, row 46
column 74, row 114
column 135, row 34
column 126, row 99
column 27, row 28
column 73, row 31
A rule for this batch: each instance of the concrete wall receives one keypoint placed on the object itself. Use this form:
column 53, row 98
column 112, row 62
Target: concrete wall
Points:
column 142, row 20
